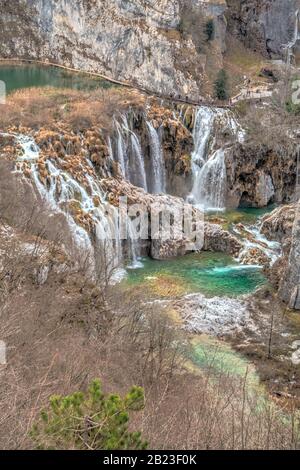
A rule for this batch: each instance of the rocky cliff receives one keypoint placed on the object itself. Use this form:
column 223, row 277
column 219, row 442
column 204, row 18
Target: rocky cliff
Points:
column 143, row 42
column 155, row 44
column 258, row 175
column 283, row 225
column 263, row 25
column 289, row 289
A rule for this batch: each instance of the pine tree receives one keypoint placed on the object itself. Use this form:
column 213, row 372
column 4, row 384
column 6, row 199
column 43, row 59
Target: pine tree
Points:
column 210, row 29
column 93, row 421
column 221, row 86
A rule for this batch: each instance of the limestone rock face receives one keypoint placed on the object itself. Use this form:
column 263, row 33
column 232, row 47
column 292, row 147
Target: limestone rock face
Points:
column 283, row 224
column 140, row 41
column 289, row 289
column 217, row 239
column 258, row 175
column 279, row 224
column 264, row 190
column 263, row 25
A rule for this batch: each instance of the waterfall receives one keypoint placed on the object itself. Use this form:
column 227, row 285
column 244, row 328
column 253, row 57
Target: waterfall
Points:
column 134, row 247
column 140, row 173
column 91, row 214
column 128, row 153
column 31, row 155
column 208, row 162
column 121, row 150
column 157, row 161
column 201, row 134
column 290, row 46
column 296, row 30
column 253, row 239
column 211, row 181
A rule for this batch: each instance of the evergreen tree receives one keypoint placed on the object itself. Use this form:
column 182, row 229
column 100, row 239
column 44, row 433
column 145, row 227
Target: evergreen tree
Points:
column 221, row 86
column 92, row 421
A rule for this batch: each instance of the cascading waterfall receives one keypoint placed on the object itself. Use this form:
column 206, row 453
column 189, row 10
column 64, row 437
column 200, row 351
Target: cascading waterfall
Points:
column 30, row 155
column 211, row 181
column 128, row 153
column 255, row 239
column 121, row 150
column 202, row 132
column 134, row 248
column 110, row 150
column 62, row 189
column 157, row 161
column 140, row 172
column 290, row 46
column 208, row 163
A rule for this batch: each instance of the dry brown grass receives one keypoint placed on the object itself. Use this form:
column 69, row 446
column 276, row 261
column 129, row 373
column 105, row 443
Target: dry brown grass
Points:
column 240, row 62
column 63, row 333
column 55, row 108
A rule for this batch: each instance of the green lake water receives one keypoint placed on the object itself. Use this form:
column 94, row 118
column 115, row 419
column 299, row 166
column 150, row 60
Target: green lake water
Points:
column 212, row 274
column 17, row 77
column 210, row 353
column 247, row 216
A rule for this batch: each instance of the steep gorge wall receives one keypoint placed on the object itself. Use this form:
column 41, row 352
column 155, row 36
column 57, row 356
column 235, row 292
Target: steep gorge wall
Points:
column 290, row 284
column 258, row 175
column 138, row 41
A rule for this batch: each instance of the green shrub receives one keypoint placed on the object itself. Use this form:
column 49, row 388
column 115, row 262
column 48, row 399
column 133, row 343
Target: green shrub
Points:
column 292, row 108
column 92, row 421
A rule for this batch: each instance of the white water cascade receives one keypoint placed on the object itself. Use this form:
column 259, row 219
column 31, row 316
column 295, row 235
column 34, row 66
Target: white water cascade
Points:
column 126, row 148
column 253, row 238
column 210, row 187
column 140, row 172
column 121, row 149
column 202, row 133
column 296, row 37
column 157, row 161
column 128, row 152
column 208, row 161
